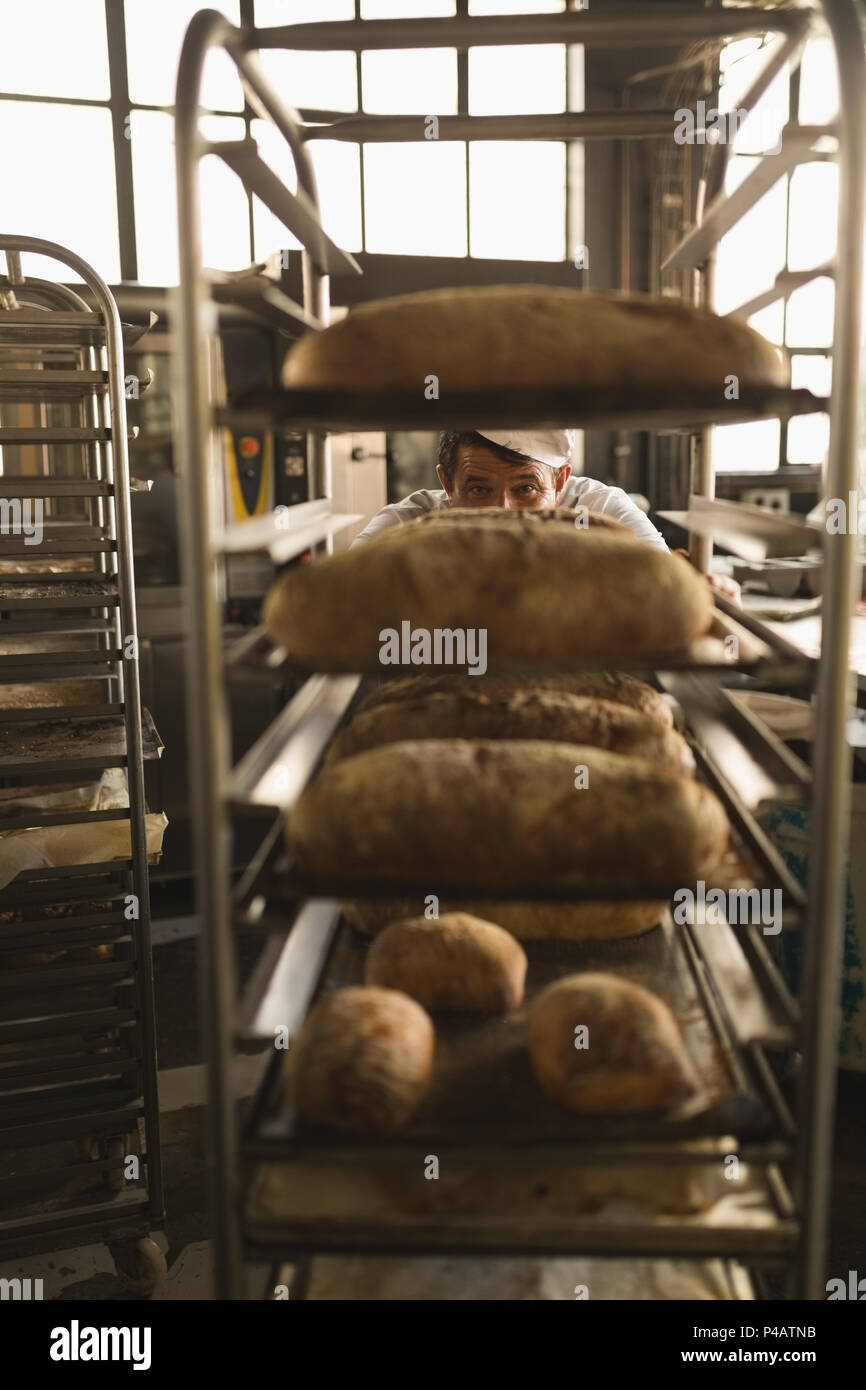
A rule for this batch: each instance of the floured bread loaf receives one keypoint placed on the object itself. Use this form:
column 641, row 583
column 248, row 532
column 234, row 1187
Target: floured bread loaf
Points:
column 362, row 1061
column 600, row 1046
column 622, row 689
column 529, row 921
column 524, row 714
column 516, row 813
column 454, row 962
column 522, row 336
column 541, row 595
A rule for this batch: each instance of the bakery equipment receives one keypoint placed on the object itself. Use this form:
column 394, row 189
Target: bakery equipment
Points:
column 79, row 1133
column 727, row 975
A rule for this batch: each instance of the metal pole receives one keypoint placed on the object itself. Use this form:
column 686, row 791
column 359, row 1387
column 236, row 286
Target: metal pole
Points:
column 206, row 715
column 627, row 27
column 561, row 125
column 267, row 102
column 832, row 756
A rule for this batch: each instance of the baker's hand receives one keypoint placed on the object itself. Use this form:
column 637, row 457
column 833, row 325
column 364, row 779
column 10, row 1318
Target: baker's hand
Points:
column 727, row 587
column 722, row 583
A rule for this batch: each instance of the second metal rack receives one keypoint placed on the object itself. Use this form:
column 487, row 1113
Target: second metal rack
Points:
column 77, row 1025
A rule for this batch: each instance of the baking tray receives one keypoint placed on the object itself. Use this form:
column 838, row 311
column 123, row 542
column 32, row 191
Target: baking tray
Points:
column 516, row 1171
column 36, row 748
column 484, row 1093
column 629, row 407
column 498, row 1206
column 45, row 593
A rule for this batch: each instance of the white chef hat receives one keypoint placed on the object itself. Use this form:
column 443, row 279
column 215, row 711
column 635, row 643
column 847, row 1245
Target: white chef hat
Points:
column 547, row 446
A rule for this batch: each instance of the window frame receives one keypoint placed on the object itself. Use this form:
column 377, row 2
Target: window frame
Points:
column 121, row 107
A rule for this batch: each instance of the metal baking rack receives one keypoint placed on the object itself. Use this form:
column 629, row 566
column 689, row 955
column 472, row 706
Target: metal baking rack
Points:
column 77, row 1028
column 743, row 999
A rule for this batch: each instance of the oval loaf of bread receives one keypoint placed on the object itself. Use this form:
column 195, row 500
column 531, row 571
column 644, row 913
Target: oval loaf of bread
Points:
column 518, row 813
column 362, row 1062
column 528, row 921
column 615, row 686
column 525, row 714
column 516, row 337
column 630, row 1056
column 454, row 962
column 541, row 596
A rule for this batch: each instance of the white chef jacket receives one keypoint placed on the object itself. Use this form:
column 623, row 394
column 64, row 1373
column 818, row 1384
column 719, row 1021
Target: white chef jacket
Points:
column 578, row 491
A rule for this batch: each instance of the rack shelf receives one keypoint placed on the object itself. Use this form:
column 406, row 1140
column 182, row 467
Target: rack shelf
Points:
column 676, row 408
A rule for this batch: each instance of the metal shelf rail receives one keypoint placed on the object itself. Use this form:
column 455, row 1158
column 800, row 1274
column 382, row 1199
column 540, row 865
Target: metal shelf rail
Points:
column 77, row 1029
column 309, row 938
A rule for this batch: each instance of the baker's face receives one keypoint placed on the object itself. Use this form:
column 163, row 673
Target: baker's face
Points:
column 481, row 479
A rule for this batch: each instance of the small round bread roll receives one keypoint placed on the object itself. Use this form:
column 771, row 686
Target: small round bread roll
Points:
column 456, row 962
column 362, row 1062
column 601, row 1046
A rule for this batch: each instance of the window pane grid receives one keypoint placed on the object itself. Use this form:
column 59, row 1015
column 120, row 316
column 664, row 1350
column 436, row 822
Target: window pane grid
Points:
column 440, row 82
column 797, row 232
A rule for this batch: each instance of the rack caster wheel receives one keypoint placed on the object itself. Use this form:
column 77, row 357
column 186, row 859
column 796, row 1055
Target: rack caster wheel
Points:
column 139, row 1264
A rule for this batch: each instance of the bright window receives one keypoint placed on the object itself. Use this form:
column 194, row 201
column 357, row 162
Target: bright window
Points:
column 517, row 200
column 411, row 80
column 516, row 80
column 809, row 435
column 416, row 199
column 792, row 228
column 390, row 198
column 404, row 9
column 225, row 225
column 515, row 6
column 37, row 39
column 337, row 167
column 72, row 201
column 154, row 36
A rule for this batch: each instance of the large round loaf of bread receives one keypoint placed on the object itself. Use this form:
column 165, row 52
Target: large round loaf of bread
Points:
column 544, row 595
column 513, row 336
column 362, row 1061
column 601, row 1045
column 522, row 714
column 529, row 921
column 516, row 813
column 616, row 686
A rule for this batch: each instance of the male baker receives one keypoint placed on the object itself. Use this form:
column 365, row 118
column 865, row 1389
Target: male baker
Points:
column 519, row 469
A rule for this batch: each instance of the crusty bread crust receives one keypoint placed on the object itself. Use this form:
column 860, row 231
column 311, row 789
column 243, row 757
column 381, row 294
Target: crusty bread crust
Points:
column 616, row 686
column 362, row 1062
column 633, row 1058
column 453, row 962
column 524, row 336
column 518, row 813
column 546, row 596
column 522, row 714
column 528, row 921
